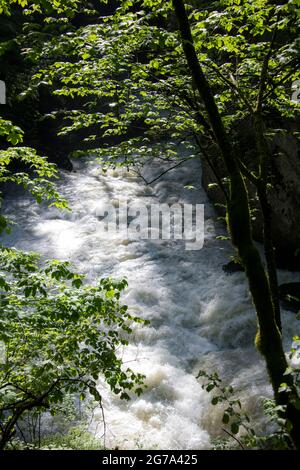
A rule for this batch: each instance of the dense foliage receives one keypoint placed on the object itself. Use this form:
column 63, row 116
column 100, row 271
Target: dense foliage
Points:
column 57, row 336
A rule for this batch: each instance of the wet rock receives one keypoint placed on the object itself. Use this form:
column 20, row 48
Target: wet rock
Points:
column 233, row 267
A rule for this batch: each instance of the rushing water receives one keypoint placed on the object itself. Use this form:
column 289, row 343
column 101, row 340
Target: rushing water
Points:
column 200, row 317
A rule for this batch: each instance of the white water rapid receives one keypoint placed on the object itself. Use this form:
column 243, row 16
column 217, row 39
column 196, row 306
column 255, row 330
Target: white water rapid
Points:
column 200, row 317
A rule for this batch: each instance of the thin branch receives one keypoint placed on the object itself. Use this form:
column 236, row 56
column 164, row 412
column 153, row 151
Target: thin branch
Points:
column 104, row 424
column 249, row 174
column 22, row 434
column 233, row 85
column 264, row 72
column 281, row 82
column 235, row 438
column 184, row 96
column 163, row 173
column 208, row 160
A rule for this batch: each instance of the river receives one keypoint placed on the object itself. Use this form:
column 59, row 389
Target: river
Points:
column 200, row 317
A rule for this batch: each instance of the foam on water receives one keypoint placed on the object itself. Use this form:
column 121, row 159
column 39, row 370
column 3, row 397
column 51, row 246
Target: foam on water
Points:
column 200, row 317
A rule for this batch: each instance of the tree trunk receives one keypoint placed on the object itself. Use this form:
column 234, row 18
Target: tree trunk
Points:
column 264, row 158
column 268, row 338
column 269, row 251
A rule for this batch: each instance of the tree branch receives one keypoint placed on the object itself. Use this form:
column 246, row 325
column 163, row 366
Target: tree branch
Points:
column 235, row 438
column 163, row 173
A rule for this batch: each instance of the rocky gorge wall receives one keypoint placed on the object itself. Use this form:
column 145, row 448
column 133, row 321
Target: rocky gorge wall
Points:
column 284, row 198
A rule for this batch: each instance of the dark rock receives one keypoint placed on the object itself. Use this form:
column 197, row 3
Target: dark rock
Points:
column 289, row 295
column 284, row 196
column 233, row 267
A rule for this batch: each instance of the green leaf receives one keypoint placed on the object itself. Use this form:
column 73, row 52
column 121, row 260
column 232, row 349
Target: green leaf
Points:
column 234, row 428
